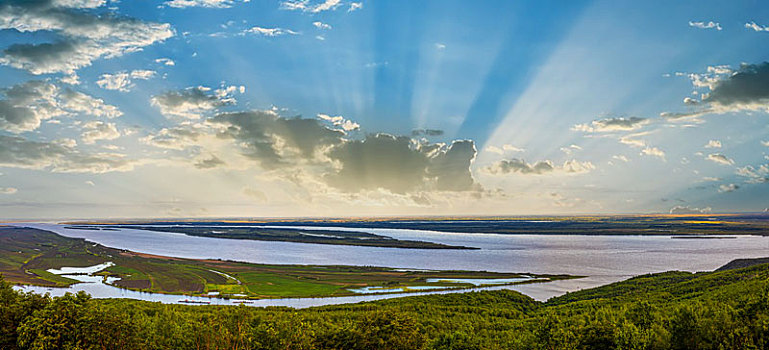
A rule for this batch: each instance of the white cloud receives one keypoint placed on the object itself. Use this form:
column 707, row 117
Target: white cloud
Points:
column 321, row 25
column 200, row 3
column 89, row 183
column 720, row 159
column 122, row 81
column 728, row 188
column 765, row 143
column 345, row 124
column 166, row 61
column 612, row 124
column 18, row 152
column 176, row 138
column 520, row 166
column 690, row 101
column 713, row 144
column 706, row 25
column 440, row 46
column 755, row 175
column 98, row 130
column 306, row 6
column 505, row 148
column 633, row 140
column 727, row 90
column 192, row 102
column 654, row 152
column 83, row 4
column 82, row 36
column 620, row 157
column 271, row 31
column 86, row 104
column 757, row 27
column 71, row 79
column 28, row 104
column 354, row 6
column 689, row 210
column 570, row 149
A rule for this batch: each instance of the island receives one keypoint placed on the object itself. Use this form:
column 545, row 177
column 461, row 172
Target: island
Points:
column 33, row 256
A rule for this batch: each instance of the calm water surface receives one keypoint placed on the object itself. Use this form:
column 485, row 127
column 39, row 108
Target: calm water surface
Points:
column 604, row 259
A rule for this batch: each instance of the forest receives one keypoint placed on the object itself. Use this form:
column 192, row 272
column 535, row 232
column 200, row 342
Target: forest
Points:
column 723, row 309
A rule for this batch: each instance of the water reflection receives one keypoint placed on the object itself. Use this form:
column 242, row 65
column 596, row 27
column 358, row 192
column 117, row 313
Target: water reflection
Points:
column 604, row 259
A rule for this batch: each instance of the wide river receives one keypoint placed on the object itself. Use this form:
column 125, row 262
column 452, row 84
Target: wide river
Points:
column 604, row 259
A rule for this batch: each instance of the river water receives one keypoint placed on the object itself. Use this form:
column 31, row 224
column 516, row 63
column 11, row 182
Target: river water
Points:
column 603, row 259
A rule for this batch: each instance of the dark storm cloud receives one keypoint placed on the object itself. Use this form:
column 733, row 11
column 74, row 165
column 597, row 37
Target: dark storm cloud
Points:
column 748, row 85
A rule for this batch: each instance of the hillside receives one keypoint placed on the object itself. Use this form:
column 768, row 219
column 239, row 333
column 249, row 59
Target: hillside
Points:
column 672, row 310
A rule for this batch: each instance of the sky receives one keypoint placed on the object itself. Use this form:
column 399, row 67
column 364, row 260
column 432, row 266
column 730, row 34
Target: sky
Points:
column 306, row 108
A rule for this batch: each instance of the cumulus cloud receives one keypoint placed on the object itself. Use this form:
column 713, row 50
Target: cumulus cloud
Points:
column 200, row 3
column 765, row 143
column 273, row 141
column 27, row 104
column 720, row 159
column 748, row 89
column 713, row 144
column 341, row 122
column 400, row 165
column 727, row 90
column 706, row 25
column 122, row 81
column 515, row 165
column 319, row 153
column 678, row 210
column 82, row 37
column 728, row 188
column 306, row 6
column 757, row 27
column 653, row 152
column 165, row 61
column 270, row 31
column 177, row 138
column 612, row 124
column 321, row 25
column 755, row 175
column 19, row 152
column 98, row 130
column 192, row 102
column 79, row 102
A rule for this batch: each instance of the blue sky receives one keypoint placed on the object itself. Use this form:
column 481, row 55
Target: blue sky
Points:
column 337, row 108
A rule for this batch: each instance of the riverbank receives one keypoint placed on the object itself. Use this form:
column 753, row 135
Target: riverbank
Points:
column 28, row 255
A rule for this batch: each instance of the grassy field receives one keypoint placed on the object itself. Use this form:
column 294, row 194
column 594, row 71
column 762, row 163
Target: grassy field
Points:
column 26, row 254
column 725, row 309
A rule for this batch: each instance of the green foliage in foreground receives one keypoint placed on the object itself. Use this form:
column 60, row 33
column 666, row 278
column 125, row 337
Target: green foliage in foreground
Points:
column 673, row 310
